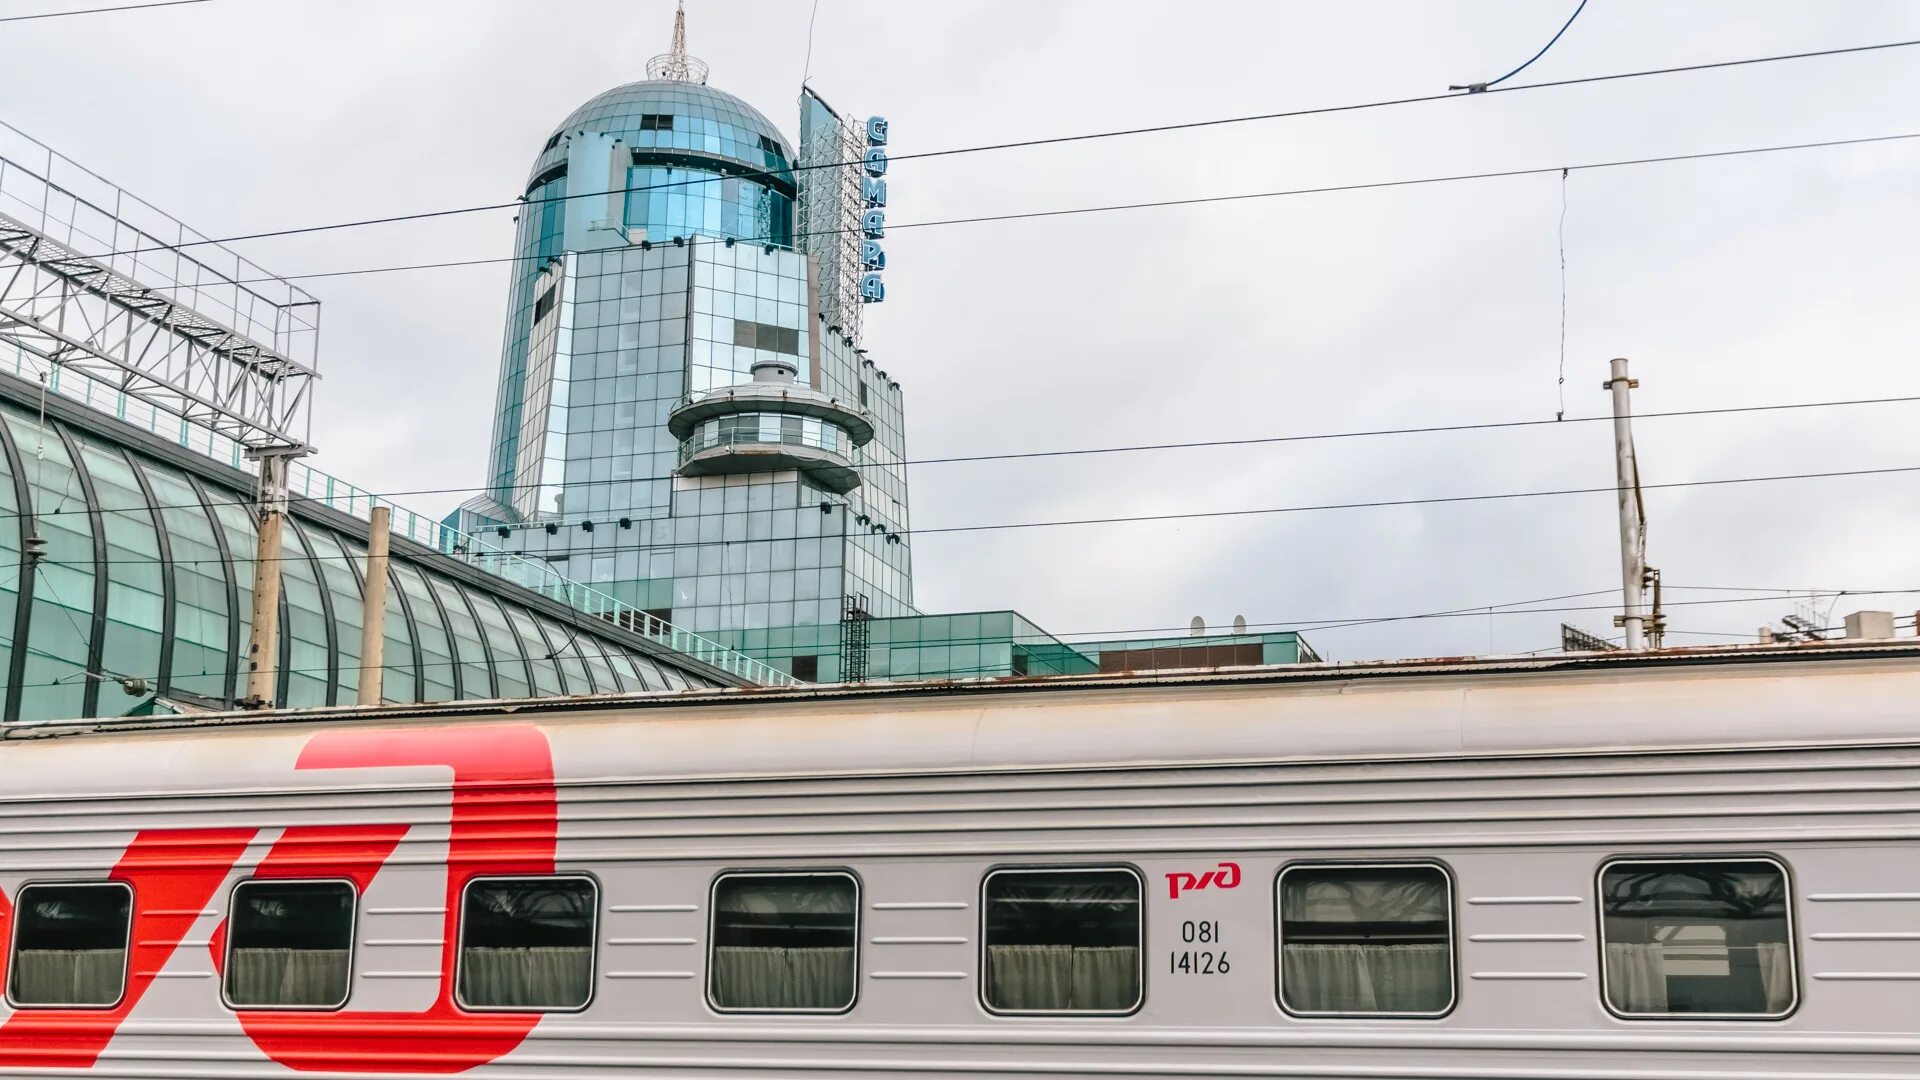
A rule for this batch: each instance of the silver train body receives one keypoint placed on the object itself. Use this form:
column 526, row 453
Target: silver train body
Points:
column 1519, row 780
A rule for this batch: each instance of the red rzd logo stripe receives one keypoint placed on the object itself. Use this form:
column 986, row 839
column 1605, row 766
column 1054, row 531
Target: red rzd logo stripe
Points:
column 504, row 821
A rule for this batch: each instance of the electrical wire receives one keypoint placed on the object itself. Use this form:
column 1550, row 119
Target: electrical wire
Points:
column 1091, row 638
column 1024, row 455
column 98, row 10
column 1483, row 87
column 1082, row 137
column 1077, row 211
column 1561, row 385
column 1132, row 519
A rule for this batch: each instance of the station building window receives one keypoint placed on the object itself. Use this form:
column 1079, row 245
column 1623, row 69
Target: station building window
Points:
column 785, row 942
column 1697, row 937
column 526, row 943
column 290, row 944
column 70, row 945
column 1368, row 939
column 1062, row 940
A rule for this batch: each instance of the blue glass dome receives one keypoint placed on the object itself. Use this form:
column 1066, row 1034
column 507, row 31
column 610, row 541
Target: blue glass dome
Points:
column 704, row 122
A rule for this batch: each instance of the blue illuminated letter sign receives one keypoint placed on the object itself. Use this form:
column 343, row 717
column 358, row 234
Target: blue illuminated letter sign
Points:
column 873, row 214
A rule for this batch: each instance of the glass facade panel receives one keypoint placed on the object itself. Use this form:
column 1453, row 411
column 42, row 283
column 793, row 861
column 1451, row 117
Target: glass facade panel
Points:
column 509, row 665
column 567, row 651
column 136, row 588
column 437, row 665
column 670, row 201
column 304, row 681
column 201, row 614
column 343, row 592
column 52, row 684
column 13, row 528
column 398, row 678
column 767, row 428
column 597, row 668
column 238, row 530
column 628, row 671
column 546, row 673
column 476, row 672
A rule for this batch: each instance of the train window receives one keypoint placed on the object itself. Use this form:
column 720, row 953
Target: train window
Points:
column 1370, row 939
column 70, row 945
column 527, row 943
column 784, row 942
column 289, row 944
column 1697, row 937
column 1062, row 940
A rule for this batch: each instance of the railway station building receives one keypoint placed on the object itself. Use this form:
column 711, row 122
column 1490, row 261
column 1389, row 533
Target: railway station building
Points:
column 688, row 417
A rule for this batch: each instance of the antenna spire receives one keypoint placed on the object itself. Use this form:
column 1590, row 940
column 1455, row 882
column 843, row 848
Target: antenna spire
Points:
column 675, row 65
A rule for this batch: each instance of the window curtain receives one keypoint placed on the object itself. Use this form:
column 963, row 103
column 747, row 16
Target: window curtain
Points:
column 815, row 914
column 771, row 977
column 1102, row 978
column 1351, row 978
column 68, row 976
column 1637, row 976
column 1776, row 974
column 288, row 977
column 546, row 977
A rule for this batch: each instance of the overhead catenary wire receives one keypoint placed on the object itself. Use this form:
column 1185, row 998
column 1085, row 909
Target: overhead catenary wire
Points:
column 98, row 10
column 1132, row 519
column 1076, row 211
column 1080, row 638
column 1025, row 455
column 1017, row 144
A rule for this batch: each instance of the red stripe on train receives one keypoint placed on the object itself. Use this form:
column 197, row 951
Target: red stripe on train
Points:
column 504, row 821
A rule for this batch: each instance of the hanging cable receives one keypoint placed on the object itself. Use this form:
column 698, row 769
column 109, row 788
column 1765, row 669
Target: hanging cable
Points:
column 1482, row 87
column 98, row 10
column 1561, row 386
column 788, row 173
column 1025, row 455
column 1076, row 211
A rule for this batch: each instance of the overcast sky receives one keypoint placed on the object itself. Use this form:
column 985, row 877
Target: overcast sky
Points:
column 1753, row 280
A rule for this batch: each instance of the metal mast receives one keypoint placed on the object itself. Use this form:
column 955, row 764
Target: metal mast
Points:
column 1633, row 535
column 675, row 64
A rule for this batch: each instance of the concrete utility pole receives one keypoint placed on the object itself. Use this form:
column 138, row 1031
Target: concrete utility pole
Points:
column 373, row 618
column 263, row 643
column 1633, row 563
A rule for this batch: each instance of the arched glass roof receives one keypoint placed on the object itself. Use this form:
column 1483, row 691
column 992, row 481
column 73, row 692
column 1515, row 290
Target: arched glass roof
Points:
column 148, row 574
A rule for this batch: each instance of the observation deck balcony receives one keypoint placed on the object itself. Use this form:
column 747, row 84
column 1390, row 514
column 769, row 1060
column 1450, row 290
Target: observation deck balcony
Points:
column 772, row 424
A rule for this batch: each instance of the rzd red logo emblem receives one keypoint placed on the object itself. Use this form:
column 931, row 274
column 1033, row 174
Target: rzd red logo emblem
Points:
column 504, row 821
column 1226, row 876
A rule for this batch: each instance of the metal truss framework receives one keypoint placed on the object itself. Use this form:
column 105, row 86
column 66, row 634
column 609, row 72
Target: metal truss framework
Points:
column 828, row 218
column 87, row 285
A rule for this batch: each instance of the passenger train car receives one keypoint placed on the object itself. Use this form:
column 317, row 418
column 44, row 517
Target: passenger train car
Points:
column 1648, row 866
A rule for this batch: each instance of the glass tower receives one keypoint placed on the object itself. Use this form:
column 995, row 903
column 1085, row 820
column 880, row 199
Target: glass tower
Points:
column 679, row 421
